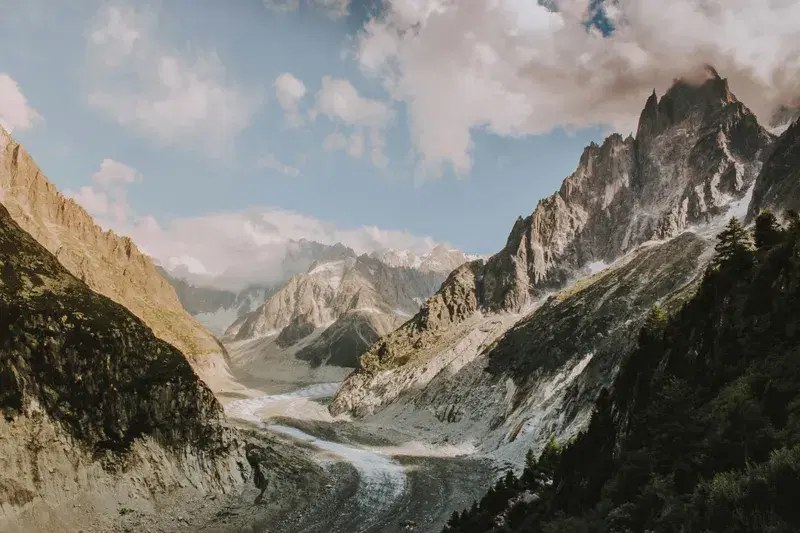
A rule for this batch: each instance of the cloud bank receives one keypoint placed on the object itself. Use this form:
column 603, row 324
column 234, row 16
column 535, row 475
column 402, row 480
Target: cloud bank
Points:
column 233, row 249
column 515, row 67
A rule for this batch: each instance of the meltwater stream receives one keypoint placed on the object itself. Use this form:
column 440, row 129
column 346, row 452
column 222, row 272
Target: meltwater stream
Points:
column 382, row 480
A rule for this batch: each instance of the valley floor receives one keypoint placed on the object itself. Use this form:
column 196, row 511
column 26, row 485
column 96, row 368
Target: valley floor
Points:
column 376, row 481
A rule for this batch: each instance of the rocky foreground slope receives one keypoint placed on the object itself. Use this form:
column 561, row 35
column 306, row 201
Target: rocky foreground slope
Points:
column 107, row 263
column 697, row 153
column 91, row 399
column 700, row 430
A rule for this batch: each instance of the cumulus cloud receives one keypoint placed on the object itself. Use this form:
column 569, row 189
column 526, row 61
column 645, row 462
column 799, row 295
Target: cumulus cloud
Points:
column 282, row 6
column 233, row 249
column 106, row 198
column 290, row 91
column 515, row 67
column 250, row 247
column 272, row 162
column 334, row 9
column 364, row 117
column 169, row 95
column 15, row 112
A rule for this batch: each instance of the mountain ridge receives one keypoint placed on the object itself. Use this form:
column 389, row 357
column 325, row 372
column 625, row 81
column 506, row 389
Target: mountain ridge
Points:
column 110, row 264
column 697, row 154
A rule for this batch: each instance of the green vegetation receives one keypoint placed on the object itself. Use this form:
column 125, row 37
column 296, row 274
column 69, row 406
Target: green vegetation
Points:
column 701, row 431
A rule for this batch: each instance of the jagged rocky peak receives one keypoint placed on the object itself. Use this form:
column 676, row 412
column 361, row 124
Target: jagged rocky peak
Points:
column 683, row 99
column 697, row 150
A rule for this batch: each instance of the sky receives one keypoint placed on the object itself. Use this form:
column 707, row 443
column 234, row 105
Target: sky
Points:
column 209, row 129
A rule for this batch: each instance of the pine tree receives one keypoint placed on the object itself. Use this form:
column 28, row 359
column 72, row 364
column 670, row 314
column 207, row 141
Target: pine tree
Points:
column 792, row 219
column 653, row 325
column 510, row 481
column 733, row 248
column 767, row 231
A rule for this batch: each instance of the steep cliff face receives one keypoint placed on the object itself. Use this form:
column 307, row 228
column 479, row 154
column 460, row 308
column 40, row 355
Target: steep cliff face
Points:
column 697, row 153
column 107, row 263
column 778, row 185
column 91, row 399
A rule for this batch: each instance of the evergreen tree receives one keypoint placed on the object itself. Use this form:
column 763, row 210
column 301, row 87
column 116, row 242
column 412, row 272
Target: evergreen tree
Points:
column 767, row 231
column 733, row 248
column 653, row 325
column 792, row 221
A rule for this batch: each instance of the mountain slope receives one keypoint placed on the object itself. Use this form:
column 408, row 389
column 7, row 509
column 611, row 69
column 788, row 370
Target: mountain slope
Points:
column 778, row 185
column 90, row 397
column 491, row 360
column 334, row 312
column 216, row 308
column 701, row 429
column 107, row 263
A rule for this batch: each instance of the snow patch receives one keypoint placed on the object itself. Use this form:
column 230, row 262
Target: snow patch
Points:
column 597, row 266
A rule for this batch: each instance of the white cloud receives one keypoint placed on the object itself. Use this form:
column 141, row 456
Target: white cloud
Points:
column 282, row 6
column 106, row 199
column 166, row 94
column 335, row 140
column 114, row 172
column 239, row 248
column 334, row 9
column 513, row 68
column 289, row 92
column 15, row 112
column 340, row 101
column 271, row 161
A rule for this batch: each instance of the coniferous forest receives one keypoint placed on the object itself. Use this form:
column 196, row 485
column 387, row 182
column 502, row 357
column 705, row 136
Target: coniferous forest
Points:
column 701, row 430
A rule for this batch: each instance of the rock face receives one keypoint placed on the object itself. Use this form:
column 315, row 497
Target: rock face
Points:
column 91, row 399
column 778, row 185
column 348, row 300
column 697, row 152
column 107, row 263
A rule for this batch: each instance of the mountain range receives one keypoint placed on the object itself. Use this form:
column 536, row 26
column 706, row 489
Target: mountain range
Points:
column 612, row 283
column 514, row 350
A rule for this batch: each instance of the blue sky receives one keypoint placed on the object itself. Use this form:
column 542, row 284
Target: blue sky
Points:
column 449, row 139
